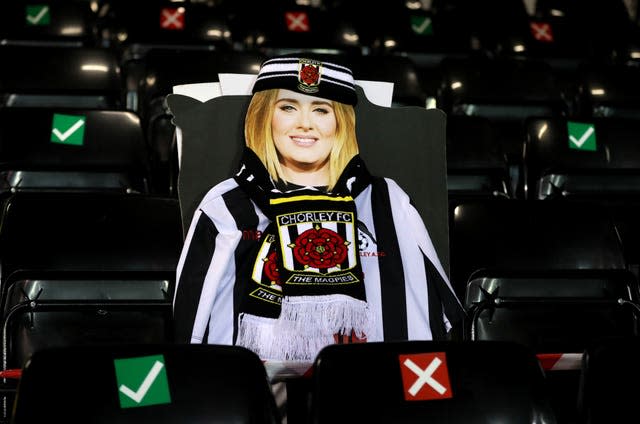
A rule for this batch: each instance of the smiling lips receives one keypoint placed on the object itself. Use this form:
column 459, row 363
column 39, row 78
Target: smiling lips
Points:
column 304, row 141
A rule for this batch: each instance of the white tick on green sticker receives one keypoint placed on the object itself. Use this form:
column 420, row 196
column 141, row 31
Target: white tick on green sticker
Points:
column 37, row 14
column 142, row 381
column 582, row 136
column 421, row 25
column 68, row 129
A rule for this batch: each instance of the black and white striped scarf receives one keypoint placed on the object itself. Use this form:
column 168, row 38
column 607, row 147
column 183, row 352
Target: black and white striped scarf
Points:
column 307, row 285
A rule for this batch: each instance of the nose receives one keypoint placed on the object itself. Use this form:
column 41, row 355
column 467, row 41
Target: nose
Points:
column 306, row 121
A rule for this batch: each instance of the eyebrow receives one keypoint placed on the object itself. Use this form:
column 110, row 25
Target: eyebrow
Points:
column 315, row 102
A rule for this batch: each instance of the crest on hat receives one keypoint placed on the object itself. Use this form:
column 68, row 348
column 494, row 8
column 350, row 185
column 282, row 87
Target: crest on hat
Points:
column 309, row 74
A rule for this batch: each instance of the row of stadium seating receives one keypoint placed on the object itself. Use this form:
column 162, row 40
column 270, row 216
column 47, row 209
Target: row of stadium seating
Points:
column 511, row 121
column 82, row 269
column 404, row 382
column 559, row 30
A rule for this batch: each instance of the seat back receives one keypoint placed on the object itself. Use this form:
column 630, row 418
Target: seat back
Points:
column 594, row 158
column 421, row 381
column 62, row 149
column 277, row 28
column 60, row 76
column 607, row 368
column 163, row 383
column 476, row 164
column 133, row 29
column 608, row 90
column 76, row 274
column 552, row 311
column 50, row 22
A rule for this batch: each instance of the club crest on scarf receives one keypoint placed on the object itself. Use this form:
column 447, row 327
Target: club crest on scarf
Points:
column 308, row 261
column 266, row 273
column 309, row 74
column 318, row 247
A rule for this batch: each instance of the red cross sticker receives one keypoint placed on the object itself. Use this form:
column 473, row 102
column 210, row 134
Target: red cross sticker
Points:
column 297, row 21
column 541, row 31
column 425, row 376
column 172, row 18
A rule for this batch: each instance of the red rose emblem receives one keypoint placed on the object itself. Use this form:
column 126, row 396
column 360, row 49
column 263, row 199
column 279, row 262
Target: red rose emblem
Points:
column 309, row 74
column 271, row 268
column 320, row 248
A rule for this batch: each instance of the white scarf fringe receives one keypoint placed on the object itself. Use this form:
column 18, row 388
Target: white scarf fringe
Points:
column 305, row 326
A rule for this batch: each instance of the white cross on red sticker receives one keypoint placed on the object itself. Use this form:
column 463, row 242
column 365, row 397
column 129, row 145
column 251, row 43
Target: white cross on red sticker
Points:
column 297, row 21
column 172, row 18
column 425, row 376
column 542, row 31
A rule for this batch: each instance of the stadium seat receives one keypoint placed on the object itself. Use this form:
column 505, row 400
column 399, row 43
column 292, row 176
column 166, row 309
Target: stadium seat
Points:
column 60, row 76
column 608, row 368
column 426, row 36
column 48, row 23
column 569, row 33
column 476, row 165
column 550, row 275
column 158, row 384
column 521, row 235
column 133, row 29
column 625, row 214
column 399, row 70
column 504, row 90
column 151, row 78
column 594, row 158
column 500, row 88
column 61, row 149
column 608, row 90
column 276, row 28
column 425, row 381
column 86, row 268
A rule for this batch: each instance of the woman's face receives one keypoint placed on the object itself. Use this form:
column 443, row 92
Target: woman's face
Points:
column 304, row 131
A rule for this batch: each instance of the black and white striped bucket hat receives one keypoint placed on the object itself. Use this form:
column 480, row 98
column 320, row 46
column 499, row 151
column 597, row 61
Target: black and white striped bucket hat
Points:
column 307, row 75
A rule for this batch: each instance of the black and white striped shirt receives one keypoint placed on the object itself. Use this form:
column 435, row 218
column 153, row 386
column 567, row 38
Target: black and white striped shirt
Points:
column 406, row 285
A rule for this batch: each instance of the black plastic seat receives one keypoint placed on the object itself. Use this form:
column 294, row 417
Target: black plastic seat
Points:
column 426, row 36
column 277, row 28
column 500, row 88
column 608, row 368
column 476, row 165
column 569, row 33
column 85, row 269
column 595, row 158
column 504, row 90
column 49, row 22
column 163, row 383
column 608, row 90
column 60, row 76
column 94, row 268
column 56, row 149
column 520, row 235
column 422, row 381
column 133, row 29
column 550, row 275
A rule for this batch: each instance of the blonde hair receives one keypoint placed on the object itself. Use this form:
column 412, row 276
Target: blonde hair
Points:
column 258, row 136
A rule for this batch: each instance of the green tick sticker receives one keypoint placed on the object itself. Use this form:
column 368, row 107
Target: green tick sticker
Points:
column 37, row 14
column 581, row 136
column 421, row 25
column 68, row 129
column 142, row 381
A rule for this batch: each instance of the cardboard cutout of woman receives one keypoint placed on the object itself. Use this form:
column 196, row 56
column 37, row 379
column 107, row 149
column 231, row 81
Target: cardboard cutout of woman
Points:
column 280, row 244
